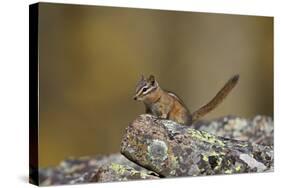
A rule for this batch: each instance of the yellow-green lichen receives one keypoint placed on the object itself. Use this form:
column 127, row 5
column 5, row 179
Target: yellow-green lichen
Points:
column 206, row 137
column 219, row 161
column 218, row 157
column 243, row 145
column 212, row 153
column 228, row 171
column 205, row 158
column 238, row 168
column 174, row 162
column 142, row 175
column 119, row 169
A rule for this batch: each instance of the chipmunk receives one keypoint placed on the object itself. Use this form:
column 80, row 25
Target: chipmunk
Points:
column 167, row 105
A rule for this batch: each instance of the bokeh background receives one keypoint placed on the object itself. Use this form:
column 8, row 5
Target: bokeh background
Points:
column 91, row 57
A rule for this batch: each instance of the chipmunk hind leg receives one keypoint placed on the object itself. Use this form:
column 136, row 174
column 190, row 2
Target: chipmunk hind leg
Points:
column 180, row 115
column 181, row 118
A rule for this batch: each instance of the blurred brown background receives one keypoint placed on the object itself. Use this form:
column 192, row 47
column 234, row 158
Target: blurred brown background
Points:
column 91, row 57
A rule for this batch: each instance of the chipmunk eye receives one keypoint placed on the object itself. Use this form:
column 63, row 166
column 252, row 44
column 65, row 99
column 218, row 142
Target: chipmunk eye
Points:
column 144, row 89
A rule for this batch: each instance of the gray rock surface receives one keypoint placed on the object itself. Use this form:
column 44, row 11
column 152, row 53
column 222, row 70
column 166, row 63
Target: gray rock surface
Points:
column 171, row 150
column 117, row 172
column 83, row 170
column 257, row 130
column 162, row 148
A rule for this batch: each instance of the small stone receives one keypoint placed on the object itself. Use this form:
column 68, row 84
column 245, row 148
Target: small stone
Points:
column 252, row 163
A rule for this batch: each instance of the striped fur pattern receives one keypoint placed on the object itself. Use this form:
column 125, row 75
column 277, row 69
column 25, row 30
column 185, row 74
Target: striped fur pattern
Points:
column 168, row 105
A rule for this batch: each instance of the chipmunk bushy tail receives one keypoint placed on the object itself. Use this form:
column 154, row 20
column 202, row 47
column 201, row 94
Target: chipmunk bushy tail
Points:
column 220, row 96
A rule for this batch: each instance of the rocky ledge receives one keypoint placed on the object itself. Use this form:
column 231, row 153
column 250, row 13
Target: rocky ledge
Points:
column 170, row 150
column 102, row 168
column 156, row 148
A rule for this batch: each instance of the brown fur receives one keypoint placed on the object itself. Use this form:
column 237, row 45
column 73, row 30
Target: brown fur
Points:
column 168, row 105
column 220, row 96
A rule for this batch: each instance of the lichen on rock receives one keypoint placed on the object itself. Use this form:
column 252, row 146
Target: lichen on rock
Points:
column 75, row 170
column 170, row 149
column 117, row 172
column 258, row 130
column 162, row 148
column 157, row 150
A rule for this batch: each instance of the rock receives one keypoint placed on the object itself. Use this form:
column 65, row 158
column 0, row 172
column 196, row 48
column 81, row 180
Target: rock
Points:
column 82, row 169
column 174, row 150
column 170, row 150
column 117, row 172
column 257, row 130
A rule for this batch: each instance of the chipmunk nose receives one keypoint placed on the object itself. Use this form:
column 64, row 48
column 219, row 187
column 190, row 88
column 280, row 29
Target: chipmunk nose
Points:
column 135, row 98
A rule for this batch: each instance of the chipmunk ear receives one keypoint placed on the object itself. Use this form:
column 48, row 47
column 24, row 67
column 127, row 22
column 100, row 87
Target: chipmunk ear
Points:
column 152, row 80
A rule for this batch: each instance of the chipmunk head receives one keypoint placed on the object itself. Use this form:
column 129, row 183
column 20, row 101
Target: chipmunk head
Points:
column 145, row 88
